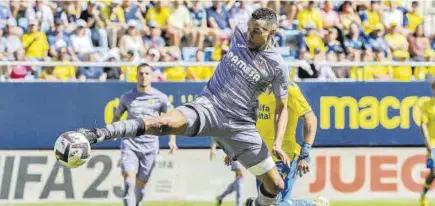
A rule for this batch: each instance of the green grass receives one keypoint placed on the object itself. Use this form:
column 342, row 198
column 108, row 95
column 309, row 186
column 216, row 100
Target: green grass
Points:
column 341, row 203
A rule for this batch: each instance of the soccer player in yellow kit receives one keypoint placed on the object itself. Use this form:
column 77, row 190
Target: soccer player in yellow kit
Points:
column 299, row 155
column 428, row 131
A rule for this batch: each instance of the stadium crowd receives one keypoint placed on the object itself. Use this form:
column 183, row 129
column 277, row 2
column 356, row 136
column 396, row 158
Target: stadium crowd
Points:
column 197, row 31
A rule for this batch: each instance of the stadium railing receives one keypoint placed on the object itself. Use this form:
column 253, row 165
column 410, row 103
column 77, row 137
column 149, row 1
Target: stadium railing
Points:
column 293, row 64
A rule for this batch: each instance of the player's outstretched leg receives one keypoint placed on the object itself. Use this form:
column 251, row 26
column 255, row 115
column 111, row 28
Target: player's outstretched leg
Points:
column 231, row 188
column 239, row 190
column 428, row 182
column 172, row 122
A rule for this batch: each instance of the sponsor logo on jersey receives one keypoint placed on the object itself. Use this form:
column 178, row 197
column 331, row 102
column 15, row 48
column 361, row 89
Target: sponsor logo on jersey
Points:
column 250, row 74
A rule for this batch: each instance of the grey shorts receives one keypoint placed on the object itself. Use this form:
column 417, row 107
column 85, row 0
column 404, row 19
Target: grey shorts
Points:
column 140, row 162
column 239, row 140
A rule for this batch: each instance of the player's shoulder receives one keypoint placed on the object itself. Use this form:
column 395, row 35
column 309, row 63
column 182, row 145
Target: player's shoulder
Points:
column 275, row 58
column 159, row 94
column 131, row 93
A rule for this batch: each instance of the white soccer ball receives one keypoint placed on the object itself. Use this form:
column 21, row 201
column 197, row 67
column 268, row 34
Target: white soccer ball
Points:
column 72, row 149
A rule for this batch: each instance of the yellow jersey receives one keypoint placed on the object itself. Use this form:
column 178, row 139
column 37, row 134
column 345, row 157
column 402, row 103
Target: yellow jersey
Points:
column 297, row 106
column 427, row 109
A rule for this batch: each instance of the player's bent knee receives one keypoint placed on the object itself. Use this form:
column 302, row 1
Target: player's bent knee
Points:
column 172, row 122
column 129, row 174
column 140, row 183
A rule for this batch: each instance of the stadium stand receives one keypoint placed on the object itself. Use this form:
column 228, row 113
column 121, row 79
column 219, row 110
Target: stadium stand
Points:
column 199, row 31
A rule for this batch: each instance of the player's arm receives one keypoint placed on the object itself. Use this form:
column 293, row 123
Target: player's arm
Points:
column 117, row 114
column 424, row 131
column 166, row 107
column 213, row 146
column 280, row 89
column 309, row 127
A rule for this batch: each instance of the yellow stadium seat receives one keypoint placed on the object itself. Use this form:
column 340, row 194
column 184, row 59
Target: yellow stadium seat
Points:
column 420, row 73
column 175, row 74
column 402, row 73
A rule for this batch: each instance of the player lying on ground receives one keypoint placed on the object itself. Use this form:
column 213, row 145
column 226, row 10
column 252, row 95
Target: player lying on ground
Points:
column 298, row 165
column 226, row 108
column 237, row 184
column 428, row 131
column 138, row 155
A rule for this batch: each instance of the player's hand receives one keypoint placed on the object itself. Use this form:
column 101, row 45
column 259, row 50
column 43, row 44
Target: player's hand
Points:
column 172, row 147
column 302, row 168
column 227, row 160
column 281, row 155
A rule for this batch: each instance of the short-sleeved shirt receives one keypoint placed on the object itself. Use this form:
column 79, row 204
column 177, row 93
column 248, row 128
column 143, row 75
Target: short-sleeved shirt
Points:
column 142, row 105
column 222, row 19
column 198, row 16
column 297, row 106
column 242, row 75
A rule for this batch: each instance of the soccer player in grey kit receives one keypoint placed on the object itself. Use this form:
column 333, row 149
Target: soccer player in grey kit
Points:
column 226, row 108
column 138, row 155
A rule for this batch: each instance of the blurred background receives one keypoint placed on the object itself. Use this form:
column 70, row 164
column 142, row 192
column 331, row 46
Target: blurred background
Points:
column 364, row 66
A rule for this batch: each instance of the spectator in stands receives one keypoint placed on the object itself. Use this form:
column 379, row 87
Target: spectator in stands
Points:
column 418, row 44
column 241, row 11
column 81, row 42
column 371, row 17
column 393, row 17
column 310, row 15
column 60, row 72
column 179, row 24
column 35, row 42
column 133, row 12
column 155, row 40
column 330, row 16
column 355, row 43
column 413, row 18
column 113, row 73
column 93, row 73
column 20, row 71
column 220, row 48
column 199, row 73
column 348, row 16
column 311, row 44
column 403, row 72
column 219, row 20
column 158, row 16
column 397, row 41
column 42, row 13
column 377, row 43
column 130, row 72
column 132, row 41
column 96, row 25
column 5, row 14
column 3, row 47
column 113, row 15
column 199, row 20
column 380, row 72
column 13, row 42
column 58, row 39
column 334, row 49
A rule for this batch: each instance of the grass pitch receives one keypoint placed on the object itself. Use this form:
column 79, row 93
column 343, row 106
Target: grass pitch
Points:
column 338, row 203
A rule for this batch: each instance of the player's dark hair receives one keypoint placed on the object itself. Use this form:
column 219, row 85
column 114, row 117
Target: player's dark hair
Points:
column 144, row 64
column 266, row 14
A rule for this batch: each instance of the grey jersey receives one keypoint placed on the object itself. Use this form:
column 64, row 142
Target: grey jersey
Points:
column 142, row 105
column 242, row 75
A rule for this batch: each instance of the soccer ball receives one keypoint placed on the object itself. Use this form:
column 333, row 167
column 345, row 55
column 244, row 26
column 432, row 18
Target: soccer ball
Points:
column 72, row 149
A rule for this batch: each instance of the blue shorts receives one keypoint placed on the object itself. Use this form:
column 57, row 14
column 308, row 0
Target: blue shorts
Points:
column 289, row 177
column 430, row 164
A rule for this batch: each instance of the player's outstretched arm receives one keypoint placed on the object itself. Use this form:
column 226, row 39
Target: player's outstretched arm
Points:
column 171, row 123
column 281, row 118
column 309, row 132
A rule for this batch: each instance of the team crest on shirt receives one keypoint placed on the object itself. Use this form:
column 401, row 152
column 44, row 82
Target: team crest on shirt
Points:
column 150, row 101
column 261, row 64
